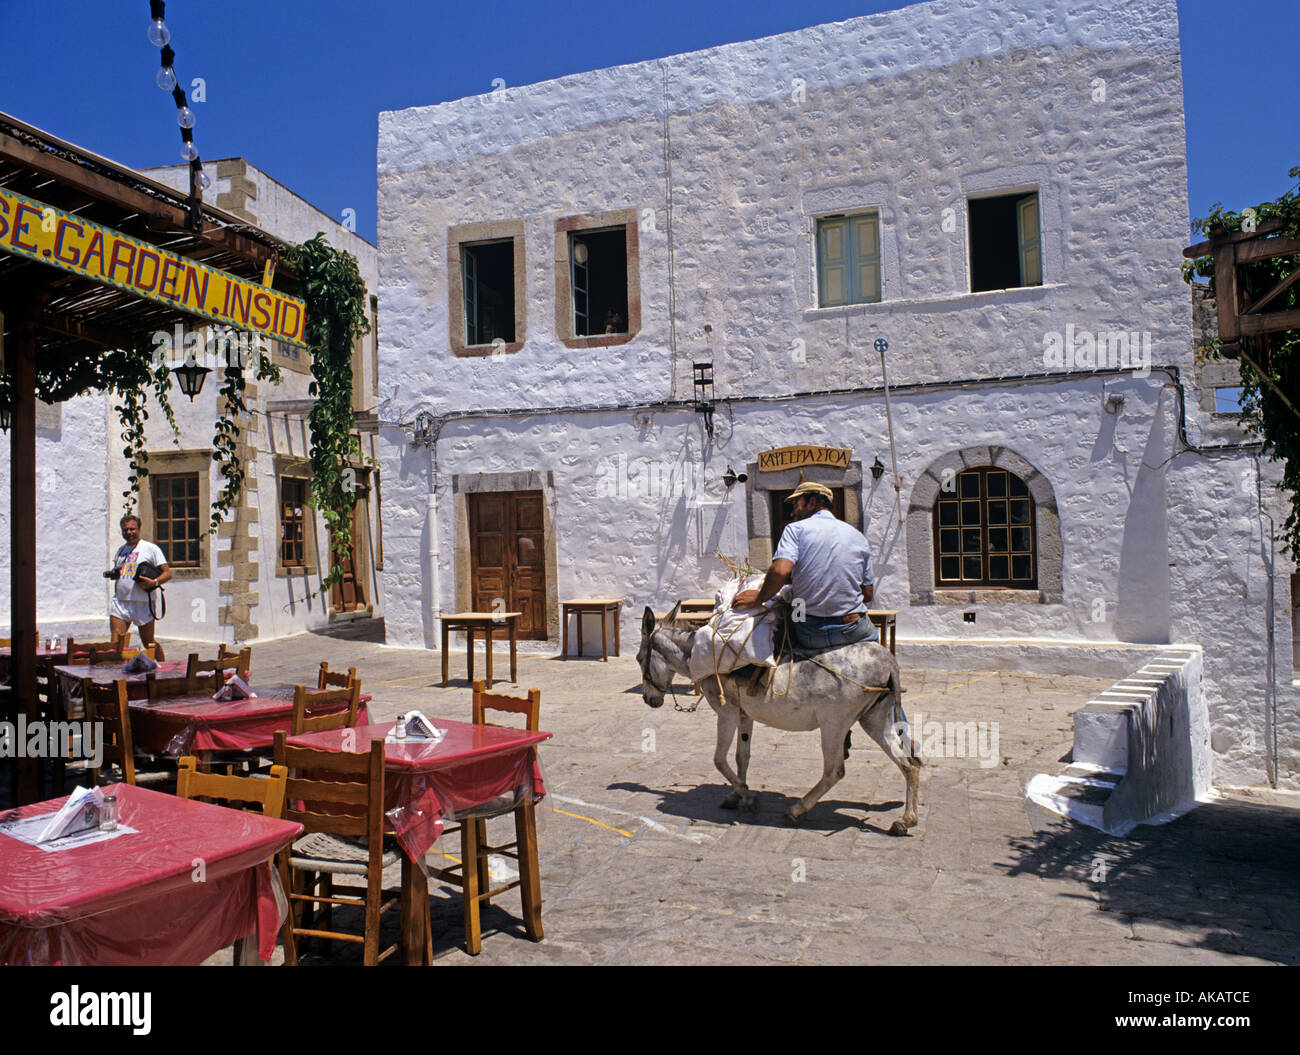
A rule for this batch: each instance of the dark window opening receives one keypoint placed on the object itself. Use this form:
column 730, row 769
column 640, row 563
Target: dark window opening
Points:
column 1005, row 247
column 781, row 512
column 598, row 263
column 293, row 522
column 985, row 532
column 488, row 269
column 176, row 518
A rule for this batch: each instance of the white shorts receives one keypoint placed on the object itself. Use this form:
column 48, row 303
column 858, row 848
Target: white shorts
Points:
column 136, row 612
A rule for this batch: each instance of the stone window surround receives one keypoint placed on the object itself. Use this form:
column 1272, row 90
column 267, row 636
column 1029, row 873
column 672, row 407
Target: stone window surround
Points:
column 171, row 463
column 566, row 226
column 851, row 200
column 301, row 364
column 920, row 532
column 480, row 483
column 493, row 230
column 296, row 469
column 758, row 501
column 1008, row 180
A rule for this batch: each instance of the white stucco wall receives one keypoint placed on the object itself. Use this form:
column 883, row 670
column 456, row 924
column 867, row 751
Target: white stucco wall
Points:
column 910, row 114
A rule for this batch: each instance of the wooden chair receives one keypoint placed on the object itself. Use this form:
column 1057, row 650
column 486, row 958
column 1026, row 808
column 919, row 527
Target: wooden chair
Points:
column 149, row 650
column 475, row 879
column 213, row 671
column 267, row 792
column 332, row 680
column 107, row 704
column 314, row 712
column 351, row 788
column 93, row 652
column 165, row 688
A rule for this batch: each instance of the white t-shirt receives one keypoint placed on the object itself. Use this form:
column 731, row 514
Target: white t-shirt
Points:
column 126, row 560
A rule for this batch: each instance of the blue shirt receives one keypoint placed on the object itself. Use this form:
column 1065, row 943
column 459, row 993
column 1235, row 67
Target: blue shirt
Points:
column 832, row 563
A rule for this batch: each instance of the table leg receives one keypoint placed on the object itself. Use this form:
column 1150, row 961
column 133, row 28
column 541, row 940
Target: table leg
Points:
column 530, row 881
column 446, row 658
column 616, row 613
column 415, row 913
column 581, row 613
column 564, row 631
column 469, row 847
column 469, row 655
column 487, row 637
column 514, row 651
column 604, row 636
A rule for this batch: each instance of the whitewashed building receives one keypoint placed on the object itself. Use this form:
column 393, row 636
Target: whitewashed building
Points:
column 259, row 576
column 997, row 191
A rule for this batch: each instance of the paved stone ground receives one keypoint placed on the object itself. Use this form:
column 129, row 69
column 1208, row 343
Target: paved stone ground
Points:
column 641, row 865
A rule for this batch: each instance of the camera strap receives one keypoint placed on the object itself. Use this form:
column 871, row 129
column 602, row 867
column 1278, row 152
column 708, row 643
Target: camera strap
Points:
column 157, row 603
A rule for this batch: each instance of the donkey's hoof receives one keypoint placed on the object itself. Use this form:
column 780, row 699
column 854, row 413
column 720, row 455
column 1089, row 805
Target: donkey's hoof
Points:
column 898, row 828
column 792, row 817
column 731, row 802
column 749, row 803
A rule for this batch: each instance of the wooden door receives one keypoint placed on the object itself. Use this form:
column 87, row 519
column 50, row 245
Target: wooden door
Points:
column 348, row 594
column 781, row 511
column 507, row 557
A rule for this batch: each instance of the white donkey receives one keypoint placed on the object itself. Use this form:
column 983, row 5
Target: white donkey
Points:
column 829, row 700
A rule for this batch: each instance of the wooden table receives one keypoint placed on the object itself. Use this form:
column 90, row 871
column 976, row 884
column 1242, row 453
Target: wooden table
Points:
column 694, row 611
column 471, row 766
column 606, row 606
column 485, row 623
column 134, row 899
column 137, row 687
column 886, row 621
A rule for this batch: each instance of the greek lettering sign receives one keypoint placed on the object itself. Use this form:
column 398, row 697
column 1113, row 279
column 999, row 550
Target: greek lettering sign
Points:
column 60, row 239
column 798, row 457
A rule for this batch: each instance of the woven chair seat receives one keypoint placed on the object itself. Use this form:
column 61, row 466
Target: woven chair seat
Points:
column 319, row 852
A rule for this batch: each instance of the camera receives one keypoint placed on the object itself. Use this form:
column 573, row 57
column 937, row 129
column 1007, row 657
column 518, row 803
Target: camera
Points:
column 113, row 573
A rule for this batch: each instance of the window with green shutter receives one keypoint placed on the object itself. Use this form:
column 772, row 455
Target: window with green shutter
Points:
column 1006, row 242
column 848, row 260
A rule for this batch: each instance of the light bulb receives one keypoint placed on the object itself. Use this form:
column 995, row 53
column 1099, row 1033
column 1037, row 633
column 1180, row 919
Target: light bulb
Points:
column 185, row 117
column 159, row 34
column 201, row 180
column 165, row 78
column 188, row 151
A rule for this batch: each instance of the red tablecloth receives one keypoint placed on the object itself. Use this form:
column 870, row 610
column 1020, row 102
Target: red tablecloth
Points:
column 180, row 725
column 192, row 879
column 70, row 676
column 427, row 784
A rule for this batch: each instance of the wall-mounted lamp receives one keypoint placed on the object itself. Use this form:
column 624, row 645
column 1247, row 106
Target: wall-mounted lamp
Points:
column 6, row 417
column 1114, row 404
column 877, row 470
column 191, row 376
column 730, row 478
column 704, row 394
column 422, row 431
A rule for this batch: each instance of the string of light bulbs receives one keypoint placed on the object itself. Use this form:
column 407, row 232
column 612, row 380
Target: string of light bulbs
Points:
column 160, row 37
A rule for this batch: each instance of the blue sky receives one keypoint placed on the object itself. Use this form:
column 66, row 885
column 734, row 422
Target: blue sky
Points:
column 295, row 86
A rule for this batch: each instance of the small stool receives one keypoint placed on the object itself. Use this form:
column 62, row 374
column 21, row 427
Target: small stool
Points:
column 606, row 606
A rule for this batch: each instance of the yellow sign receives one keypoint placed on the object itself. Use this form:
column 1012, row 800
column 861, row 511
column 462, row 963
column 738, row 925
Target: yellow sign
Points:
column 798, row 457
column 65, row 241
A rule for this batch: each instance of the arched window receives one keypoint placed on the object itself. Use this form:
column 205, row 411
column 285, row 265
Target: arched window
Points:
column 984, row 532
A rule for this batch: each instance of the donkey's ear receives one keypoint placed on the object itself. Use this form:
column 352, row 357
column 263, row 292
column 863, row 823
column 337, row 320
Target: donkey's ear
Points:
column 647, row 622
column 671, row 618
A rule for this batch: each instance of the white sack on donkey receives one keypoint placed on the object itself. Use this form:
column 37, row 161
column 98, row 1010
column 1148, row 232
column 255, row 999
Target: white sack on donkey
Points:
column 735, row 638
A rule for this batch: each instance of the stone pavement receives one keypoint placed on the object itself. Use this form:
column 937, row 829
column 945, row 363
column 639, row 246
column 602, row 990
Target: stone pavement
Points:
column 640, row 865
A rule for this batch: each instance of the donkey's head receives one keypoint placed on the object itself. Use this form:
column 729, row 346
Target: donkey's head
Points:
column 656, row 673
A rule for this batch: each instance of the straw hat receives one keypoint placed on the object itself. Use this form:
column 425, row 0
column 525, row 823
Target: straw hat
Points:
column 810, row 488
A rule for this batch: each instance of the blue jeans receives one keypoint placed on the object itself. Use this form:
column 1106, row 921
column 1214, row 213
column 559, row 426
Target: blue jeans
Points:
column 815, row 635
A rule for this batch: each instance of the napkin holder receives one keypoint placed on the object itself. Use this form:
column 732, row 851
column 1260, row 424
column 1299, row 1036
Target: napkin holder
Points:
column 419, row 729
column 235, row 689
column 81, row 813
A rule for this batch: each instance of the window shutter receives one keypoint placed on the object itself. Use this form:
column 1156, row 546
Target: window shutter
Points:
column 866, row 259
column 832, row 262
column 1031, row 253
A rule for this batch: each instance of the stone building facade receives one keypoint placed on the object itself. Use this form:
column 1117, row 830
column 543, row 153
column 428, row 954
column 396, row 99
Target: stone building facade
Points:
column 609, row 296
column 243, row 582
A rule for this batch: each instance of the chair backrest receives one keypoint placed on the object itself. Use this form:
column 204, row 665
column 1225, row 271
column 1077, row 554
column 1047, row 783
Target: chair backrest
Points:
column 316, row 711
column 157, row 688
column 149, row 650
column 213, row 671
column 269, row 794
column 350, row 787
column 108, row 704
column 529, row 706
column 97, row 651
column 329, row 680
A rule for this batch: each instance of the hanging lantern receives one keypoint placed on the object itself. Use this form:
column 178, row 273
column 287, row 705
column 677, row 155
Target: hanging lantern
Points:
column 191, row 375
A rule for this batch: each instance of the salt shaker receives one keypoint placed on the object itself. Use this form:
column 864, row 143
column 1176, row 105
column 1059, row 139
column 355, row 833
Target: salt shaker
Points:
column 108, row 814
column 400, row 731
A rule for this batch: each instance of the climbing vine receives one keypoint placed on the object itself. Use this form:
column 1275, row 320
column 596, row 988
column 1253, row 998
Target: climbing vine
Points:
column 1263, row 412
column 335, row 295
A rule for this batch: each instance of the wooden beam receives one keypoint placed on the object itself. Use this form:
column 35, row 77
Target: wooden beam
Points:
column 1269, row 322
column 104, row 336
column 1207, row 247
column 1266, row 249
column 1225, row 292
column 21, row 361
column 1273, row 293
column 159, row 215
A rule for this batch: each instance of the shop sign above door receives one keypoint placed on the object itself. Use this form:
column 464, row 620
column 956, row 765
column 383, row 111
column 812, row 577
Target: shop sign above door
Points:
column 60, row 239
column 799, row 457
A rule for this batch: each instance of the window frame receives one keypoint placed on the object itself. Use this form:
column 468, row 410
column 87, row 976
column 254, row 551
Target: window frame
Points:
column 851, row 264
column 155, row 479
column 986, row 580
column 1035, row 244
column 304, row 517
column 467, row 235
column 565, row 229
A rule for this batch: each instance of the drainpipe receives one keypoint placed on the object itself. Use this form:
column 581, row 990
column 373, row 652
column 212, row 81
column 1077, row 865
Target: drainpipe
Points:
column 435, row 599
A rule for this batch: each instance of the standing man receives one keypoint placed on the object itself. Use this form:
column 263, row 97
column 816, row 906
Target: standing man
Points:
column 829, row 563
column 130, row 603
